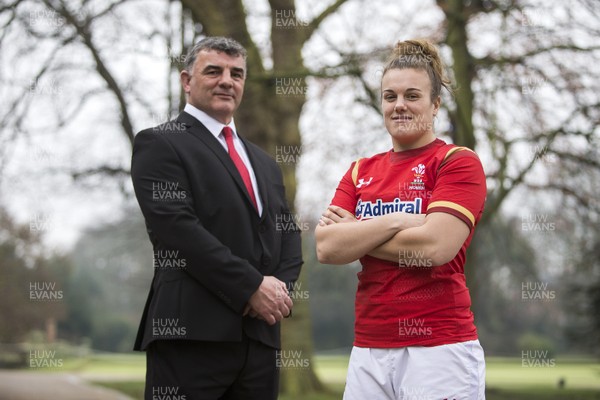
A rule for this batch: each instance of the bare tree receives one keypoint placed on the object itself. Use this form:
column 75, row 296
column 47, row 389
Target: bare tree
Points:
column 527, row 95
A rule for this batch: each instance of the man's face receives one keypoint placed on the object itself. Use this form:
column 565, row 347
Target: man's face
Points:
column 216, row 84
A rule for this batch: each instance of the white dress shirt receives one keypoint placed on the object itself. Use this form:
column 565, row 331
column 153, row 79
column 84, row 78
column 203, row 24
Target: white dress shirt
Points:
column 215, row 127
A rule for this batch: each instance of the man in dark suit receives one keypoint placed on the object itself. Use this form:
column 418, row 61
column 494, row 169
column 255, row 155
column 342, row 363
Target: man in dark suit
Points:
column 211, row 200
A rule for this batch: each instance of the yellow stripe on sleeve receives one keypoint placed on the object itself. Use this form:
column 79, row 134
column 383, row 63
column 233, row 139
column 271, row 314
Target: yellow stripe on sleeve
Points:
column 453, row 206
column 355, row 171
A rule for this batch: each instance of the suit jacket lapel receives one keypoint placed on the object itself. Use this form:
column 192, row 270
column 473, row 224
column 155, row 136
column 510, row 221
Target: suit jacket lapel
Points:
column 200, row 132
column 259, row 174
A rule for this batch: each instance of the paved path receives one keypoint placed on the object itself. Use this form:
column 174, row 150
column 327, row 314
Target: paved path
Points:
column 23, row 385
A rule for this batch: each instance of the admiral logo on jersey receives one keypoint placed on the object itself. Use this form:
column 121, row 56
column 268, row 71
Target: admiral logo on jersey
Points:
column 368, row 209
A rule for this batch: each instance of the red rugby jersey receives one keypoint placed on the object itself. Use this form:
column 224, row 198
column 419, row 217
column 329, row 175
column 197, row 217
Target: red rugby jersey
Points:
column 414, row 304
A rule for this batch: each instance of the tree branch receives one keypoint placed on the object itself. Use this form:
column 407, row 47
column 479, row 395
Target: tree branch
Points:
column 491, row 61
column 584, row 202
column 103, row 170
column 101, row 67
column 316, row 22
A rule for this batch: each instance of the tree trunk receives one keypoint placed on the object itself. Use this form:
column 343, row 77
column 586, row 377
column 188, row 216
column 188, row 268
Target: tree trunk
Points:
column 463, row 69
column 462, row 117
column 50, row 329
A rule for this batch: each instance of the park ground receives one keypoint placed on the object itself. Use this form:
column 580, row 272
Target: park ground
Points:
column 507, row 378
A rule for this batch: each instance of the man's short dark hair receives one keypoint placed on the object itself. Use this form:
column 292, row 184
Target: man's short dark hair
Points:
column 217, row 43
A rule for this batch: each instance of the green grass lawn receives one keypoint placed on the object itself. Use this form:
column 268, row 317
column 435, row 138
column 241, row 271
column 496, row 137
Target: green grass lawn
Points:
column 507, row 378
column 510, row 373
column 110, row 367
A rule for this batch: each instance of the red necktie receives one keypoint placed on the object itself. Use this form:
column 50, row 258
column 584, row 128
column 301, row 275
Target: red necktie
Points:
column 239, row 164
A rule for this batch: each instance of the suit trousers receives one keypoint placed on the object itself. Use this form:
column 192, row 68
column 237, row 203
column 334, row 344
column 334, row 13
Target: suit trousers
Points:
column 201, row 370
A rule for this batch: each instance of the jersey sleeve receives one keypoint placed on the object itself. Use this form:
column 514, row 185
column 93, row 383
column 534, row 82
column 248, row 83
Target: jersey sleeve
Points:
column 460, row 188
column 345, row 193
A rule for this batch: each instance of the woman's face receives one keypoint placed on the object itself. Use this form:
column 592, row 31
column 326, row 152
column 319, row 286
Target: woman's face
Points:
column 407, row 107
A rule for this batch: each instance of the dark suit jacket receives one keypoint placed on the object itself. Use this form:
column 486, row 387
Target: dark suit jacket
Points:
column 211, row 249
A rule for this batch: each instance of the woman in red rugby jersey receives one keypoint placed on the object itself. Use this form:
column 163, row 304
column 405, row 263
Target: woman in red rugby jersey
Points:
column 409, row 215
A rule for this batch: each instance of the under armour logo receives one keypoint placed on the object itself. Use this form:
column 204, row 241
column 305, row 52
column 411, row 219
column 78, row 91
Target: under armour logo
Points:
column 362, row 182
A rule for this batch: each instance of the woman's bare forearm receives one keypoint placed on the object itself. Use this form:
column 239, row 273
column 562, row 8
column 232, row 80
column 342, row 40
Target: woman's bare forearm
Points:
column 339, row 242
column 434, row 243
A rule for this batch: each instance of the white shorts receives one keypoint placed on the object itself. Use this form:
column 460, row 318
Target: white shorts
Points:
column 453, row 371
